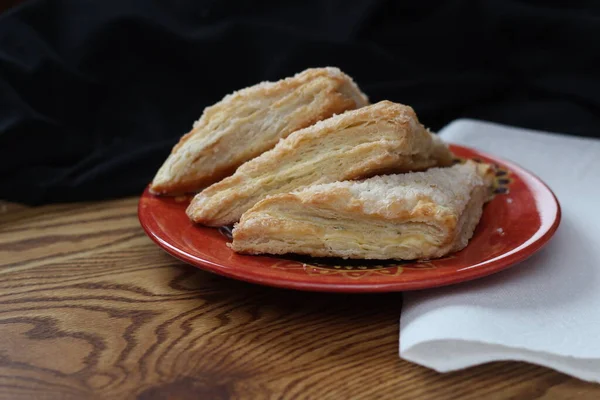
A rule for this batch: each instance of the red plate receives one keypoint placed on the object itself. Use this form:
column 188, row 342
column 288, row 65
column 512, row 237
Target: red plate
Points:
column 520, row 219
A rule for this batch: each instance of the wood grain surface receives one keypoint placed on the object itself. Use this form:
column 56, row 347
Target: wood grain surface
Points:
column 90, row 308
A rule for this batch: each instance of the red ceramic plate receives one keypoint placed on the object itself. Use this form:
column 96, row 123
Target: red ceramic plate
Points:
column 520, row 219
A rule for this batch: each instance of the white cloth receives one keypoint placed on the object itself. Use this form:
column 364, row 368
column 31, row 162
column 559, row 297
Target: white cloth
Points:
column 546, row 310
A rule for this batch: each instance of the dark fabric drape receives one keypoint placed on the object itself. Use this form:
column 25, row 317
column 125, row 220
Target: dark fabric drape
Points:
column 93, row 94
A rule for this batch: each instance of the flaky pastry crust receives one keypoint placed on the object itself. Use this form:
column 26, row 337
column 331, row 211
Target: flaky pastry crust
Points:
column 411, row 216
column 382, row 138
column 251, row 121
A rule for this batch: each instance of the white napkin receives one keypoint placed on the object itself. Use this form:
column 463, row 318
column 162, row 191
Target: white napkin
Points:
column 546, row 310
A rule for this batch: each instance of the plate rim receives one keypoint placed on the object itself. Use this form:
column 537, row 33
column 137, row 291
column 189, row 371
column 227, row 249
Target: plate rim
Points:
column 497, row 264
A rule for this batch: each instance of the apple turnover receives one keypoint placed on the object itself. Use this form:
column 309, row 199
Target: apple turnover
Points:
column 251, row 121
column 418, row 215
column 382, row 138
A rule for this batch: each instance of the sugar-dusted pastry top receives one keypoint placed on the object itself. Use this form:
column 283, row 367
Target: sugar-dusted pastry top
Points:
column 251, row 121
column 392, row 196
column 408, row 216
column 382, row 138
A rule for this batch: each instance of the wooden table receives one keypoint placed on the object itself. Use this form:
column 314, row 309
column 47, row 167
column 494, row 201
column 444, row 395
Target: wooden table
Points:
column 91, row 308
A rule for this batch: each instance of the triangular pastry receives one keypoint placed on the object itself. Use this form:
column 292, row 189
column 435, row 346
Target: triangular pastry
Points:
column 418, row 215
column 382, row 138
column 251, row 121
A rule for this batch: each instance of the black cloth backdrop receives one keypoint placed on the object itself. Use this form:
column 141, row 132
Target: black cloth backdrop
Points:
column 93, row 94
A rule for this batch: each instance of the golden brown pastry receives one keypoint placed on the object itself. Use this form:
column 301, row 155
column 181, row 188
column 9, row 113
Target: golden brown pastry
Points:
column 382, row 138
column 440, row 152
column 251, row 121
column 411, row 216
